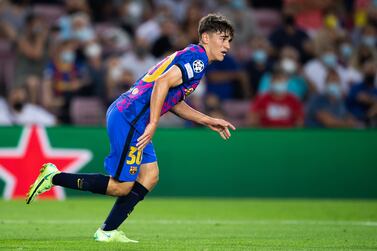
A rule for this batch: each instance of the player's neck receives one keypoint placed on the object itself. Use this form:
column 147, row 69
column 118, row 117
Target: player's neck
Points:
column 206, row 49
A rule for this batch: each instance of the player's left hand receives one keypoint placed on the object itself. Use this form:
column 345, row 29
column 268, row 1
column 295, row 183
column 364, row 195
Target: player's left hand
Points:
column 221, row 126
column 144, row 139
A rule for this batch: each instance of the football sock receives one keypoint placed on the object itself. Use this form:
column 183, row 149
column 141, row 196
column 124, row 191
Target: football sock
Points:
column 95, row 183
column 124, row 206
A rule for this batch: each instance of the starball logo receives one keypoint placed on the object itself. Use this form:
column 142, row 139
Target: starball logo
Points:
column 19, row 166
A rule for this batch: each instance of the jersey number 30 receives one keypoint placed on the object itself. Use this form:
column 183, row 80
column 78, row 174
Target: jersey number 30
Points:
column 134, row 156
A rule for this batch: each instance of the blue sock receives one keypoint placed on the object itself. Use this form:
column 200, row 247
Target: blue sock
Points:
column 124, row 206
column 95, row 183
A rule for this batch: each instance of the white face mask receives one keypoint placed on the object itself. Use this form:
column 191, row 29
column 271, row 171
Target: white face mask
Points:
column 116, row 73
column 93, row 50
column 279, row 87
column 288, row 65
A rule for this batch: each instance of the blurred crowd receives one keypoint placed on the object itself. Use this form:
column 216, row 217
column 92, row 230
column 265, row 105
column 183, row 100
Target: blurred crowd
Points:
column 293, row 63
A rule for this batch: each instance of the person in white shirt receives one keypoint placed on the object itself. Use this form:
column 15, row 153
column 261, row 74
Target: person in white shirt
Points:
column 24, row 113
column 317, row 69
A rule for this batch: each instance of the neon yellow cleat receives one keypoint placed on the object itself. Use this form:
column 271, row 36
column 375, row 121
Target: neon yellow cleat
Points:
column 111, row 236
column 43, row 183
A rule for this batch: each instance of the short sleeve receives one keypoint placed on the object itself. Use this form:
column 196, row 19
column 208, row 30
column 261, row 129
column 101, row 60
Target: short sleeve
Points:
column 192, row 65
column 265, row 83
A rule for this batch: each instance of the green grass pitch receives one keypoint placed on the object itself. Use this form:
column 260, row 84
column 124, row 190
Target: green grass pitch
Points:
column 194, row 224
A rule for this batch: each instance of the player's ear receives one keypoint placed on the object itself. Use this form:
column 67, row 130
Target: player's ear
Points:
column 205, row 38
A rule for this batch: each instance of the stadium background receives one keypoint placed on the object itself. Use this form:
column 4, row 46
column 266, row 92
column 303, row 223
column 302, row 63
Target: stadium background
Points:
column 309, row 185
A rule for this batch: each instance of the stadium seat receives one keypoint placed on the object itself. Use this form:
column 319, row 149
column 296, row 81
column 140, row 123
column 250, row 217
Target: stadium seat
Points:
column 49, row 13
column 266, row 20
column 87, row 111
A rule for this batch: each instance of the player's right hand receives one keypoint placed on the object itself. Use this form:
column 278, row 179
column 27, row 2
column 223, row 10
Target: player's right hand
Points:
column 221, row 126
column 144, row 139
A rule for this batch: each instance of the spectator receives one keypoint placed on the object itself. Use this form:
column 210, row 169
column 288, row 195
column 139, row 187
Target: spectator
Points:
column 277, row 107
column 259, row 63
column 63, row 79
column 350, row 74
column 164, row 44
column 362, row 98
column 365, row 50
column 25, row 113
column 194, row 13
column 329, row 33
column 12, row 17
column 223, row 79
column 328, row 110
column 290, row 64
column 31, row 56
column 317, row 70
column 118, row 79
column 138, row 60
column 95, row 68
column 290, row 35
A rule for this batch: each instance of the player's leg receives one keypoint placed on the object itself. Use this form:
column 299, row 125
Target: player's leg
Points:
column 147, row 179
column 119, row 132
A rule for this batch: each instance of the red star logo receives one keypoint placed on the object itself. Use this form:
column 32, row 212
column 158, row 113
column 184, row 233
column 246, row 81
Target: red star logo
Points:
column 19, row 167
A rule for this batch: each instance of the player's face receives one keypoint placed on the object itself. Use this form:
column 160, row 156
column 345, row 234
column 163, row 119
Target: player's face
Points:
column 219, row 45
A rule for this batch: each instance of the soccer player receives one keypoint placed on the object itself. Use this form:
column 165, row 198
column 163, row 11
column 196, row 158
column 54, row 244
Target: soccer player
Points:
column 132, row 120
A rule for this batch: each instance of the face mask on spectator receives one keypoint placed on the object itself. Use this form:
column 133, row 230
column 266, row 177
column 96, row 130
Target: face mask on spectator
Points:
column 93, row 50
column 84, row 34
column 279, row 87
column 346, row 50
column 259, row 56
column 368, row 40
column 329, row 59
column 333, row 89
column 67, row 56
column 116, row 73
column 135, row 10
column 288, row 65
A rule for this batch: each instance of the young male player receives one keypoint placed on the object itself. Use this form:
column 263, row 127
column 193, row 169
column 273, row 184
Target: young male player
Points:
column 132, row 120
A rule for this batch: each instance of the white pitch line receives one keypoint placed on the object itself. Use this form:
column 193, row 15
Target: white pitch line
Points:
column 201, row 222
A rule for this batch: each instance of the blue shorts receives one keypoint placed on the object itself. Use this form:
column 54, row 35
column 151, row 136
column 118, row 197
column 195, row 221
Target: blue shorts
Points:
column 124, row 160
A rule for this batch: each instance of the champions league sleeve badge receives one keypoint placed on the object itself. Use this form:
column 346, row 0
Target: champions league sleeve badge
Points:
column 198, row 66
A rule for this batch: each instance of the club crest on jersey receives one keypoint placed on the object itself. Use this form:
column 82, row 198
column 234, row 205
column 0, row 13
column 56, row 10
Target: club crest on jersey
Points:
column 198, row 66
column 188, row 91
column 133, row 170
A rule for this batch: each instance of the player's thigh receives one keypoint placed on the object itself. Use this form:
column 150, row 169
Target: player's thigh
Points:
column 123, row 161
column 149, row 175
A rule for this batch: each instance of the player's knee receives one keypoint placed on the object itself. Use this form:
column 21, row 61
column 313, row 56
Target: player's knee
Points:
column 153, row 177
column 121, row 190
column 116, row 188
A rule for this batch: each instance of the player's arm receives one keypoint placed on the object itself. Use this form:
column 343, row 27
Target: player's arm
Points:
column 171, row 78
column 185, row 111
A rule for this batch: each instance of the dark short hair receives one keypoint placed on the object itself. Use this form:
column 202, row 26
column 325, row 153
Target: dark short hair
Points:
column 215, row 23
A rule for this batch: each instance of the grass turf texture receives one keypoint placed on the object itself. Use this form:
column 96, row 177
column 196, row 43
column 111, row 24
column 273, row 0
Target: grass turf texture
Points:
column 194, row 224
